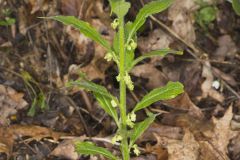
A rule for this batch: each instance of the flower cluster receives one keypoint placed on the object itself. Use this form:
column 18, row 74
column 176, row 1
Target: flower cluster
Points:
column 131, row 118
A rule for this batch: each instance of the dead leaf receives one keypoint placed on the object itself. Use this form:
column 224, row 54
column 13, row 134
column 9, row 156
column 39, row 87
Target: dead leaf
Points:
column 38, row 5
column 234, row 148
column 181, row 15
column 227, row 48
column 22, row 18
column 187, row 149
column 10, row 102
column 206, row 86
column 73, row 7
column 66, row 149
column 226, row 77
column 222, row 134
column 9, row 134
column 157, row 79
column 163, row 131
column 157, row 39
column 184, row 102
column 159, row 151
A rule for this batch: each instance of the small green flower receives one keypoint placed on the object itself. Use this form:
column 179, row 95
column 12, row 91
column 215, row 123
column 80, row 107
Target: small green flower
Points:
column 129, row 122
column 115, row 23
column 128, row 81
column 118, row 78
column 113, row 103
column 136, row 150
column 131, row 118
column 108, row 56
column 116, row 138
column 132, row 45
column 129, row 47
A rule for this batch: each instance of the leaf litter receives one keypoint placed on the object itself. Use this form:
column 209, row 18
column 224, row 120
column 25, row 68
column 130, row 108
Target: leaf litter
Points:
column 182, row 131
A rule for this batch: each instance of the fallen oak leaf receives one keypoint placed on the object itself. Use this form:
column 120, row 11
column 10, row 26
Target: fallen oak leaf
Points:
column 9, row 134
column 222, row 134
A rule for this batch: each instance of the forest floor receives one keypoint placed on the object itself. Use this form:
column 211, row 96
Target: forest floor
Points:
column 41, row 119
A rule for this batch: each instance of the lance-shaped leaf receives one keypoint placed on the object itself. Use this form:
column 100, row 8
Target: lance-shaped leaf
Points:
column 236, row 6
column 119, row 7
column 88, row 148
column 149, row 9
column 161, row 52
column 90, row 86
column 105, row 103
column 139, row 128
column 84, row 27
column 171, row 90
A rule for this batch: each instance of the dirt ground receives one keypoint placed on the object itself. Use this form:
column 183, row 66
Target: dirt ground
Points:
column 41, row 119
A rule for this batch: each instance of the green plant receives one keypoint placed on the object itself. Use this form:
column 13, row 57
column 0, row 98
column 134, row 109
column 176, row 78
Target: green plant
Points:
column 7, row 21
column 206, row 14
column 38, row 98
column 236, row 6
column 122, row 53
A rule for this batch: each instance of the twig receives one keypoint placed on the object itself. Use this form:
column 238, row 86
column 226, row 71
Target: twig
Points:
column 80, row 115
column 86, row 100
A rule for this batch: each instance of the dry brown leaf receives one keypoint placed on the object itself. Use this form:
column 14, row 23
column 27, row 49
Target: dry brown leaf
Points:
column 157, row 79
column 234, row 148
column 227, row 48
column 73, row 7
column 38, row 5
column 222, row 134
column 163, row 131
column 226, row 77
column 66, row 149
column 22, row 18
column 157, row 39
column 206, row 86
column 184, row 102
column 10, row 102
column 181, row 14
column 9, row 134
column 187, row 149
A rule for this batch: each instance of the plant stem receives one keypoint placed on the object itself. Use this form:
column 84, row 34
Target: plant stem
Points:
column 124, row 143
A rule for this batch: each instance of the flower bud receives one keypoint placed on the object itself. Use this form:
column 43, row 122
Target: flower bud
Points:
column 136, row 150
column 115, row 24
column 108, row 56
column 113, row 103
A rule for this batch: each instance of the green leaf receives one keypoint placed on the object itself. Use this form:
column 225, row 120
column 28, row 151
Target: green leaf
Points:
column 236, row 6
column 105, row 103
column 206, row 15
column 139, row 128
column 7, row 22
column 171, row 90
column 90, row 86
column 32, row 110
column 84, row 27
column 42, row 101
column 119, row 7
column 149, row 9
column 88, row 148
column 161, row 52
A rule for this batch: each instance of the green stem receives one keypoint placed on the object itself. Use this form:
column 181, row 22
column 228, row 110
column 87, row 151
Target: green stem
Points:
column 124, row 143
